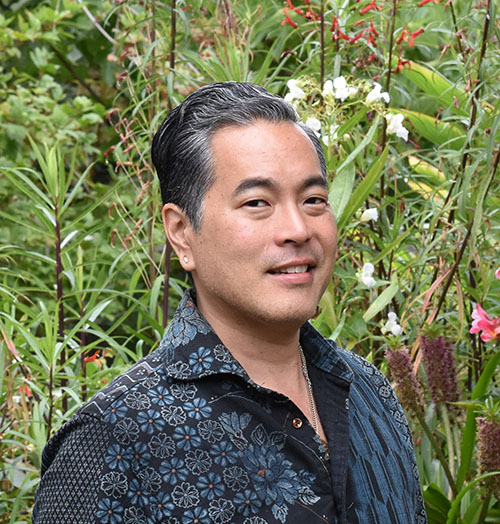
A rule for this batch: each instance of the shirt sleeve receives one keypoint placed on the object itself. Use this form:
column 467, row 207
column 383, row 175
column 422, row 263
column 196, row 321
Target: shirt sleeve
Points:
column 72, row 463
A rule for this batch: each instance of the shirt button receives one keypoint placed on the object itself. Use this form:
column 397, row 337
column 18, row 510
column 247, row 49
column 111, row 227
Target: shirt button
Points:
column 297, row 423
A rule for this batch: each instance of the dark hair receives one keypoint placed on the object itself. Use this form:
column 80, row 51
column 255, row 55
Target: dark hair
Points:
column 181, row 147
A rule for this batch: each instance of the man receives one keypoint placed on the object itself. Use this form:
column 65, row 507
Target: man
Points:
column 244, row 413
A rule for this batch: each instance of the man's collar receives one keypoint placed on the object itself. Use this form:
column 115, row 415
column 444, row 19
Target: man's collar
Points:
column 192, row 350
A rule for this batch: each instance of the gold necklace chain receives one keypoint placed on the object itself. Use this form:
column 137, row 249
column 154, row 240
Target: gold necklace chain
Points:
column 312, row 404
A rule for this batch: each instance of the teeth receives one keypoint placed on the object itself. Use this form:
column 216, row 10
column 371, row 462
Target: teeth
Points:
column 294, row 269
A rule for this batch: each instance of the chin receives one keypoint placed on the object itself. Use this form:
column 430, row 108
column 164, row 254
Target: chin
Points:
column 290, row 315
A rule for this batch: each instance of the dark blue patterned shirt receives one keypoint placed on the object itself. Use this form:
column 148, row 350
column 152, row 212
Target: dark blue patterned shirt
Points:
column 186, row 437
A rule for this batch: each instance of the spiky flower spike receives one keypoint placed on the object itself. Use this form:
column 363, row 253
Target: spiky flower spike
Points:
column 407, row 386
column 488, row 436
column 440, row 368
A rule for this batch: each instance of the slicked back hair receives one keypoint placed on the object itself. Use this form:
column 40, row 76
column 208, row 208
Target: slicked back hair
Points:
column 181, row 149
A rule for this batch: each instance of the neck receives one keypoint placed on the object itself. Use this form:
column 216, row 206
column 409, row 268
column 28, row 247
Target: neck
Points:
column 271, row 357
column 268, row 353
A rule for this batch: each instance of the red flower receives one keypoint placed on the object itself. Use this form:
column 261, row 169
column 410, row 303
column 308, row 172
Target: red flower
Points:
column 93, row 357
column 358, row 36
column 401, row 65
column 288, row 20
column 414, row 35
column 372, row 29
column 26, row 390
column 490, row 327
column 370, row 7
column 403, row 36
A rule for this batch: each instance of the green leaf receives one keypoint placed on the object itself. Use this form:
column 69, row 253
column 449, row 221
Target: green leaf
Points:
column 341, row 190
column 437, row 86
column 455, row 506
column 437, row 503
column 439, row 133
column 382, row 300
column 363, row 190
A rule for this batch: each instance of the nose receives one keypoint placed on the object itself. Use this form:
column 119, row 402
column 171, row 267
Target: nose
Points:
column 291, row 226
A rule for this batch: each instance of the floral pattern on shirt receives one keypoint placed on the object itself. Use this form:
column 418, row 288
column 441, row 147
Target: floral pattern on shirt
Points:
column 190, row 438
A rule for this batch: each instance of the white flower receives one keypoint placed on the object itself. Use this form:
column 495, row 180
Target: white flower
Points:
column 332, row 135
column 342, row 90
column 376, row 94
column 295, row 93
column 369, row 214
column 392, row 325
column 366, row 275
column 314, row 124
column 395, row 126
column 328, row 89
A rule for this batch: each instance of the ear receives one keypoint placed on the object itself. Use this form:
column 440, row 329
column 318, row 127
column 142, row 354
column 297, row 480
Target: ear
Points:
column 178, row 230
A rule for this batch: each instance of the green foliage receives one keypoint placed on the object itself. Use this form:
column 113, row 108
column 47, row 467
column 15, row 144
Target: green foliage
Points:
column 83, row 260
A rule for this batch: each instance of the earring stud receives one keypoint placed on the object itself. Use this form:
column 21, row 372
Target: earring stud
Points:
column 186, row 259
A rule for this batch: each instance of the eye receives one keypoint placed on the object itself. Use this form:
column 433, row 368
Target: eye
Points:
column 316, row 200
column 256, row 203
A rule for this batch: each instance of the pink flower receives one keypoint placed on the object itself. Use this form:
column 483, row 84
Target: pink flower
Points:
column 490, row 327
column 497, row 273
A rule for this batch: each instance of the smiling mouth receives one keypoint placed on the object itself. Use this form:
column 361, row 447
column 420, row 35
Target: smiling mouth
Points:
column 291, row 269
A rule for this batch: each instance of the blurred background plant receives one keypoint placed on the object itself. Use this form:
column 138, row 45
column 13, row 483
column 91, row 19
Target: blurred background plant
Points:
column 404, row 96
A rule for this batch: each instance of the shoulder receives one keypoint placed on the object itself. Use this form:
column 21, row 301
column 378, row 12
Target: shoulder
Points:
column 374, row 396
column 145, row 375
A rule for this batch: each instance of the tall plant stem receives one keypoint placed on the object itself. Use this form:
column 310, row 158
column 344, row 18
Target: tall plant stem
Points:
column 76, row 76
column 153, row 107
column 449, row 439
column 477, row 90
column 322, row 43
column 460, row 253
column 383, row 139
column 455, row 25
column 60, row 297
column 454, row 268
column 388, row 78
column 439, row 454
column 173, row 32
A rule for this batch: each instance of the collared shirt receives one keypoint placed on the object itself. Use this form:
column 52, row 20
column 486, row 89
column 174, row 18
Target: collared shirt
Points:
column 185, row 436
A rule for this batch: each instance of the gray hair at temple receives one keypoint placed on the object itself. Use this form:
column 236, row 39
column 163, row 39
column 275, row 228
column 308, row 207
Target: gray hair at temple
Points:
column 181, row 149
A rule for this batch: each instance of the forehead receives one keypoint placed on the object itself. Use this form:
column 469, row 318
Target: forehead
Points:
column 279, row 150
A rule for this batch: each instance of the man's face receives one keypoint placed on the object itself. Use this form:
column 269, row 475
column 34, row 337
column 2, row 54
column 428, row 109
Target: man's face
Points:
column 266, row 246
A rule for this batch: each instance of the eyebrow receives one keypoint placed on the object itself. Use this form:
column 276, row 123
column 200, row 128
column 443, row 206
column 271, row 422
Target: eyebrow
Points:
column 267, row 183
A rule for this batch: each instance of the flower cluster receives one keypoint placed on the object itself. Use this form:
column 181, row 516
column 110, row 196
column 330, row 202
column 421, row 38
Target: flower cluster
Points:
column 392, row 325
column 366, row 275
column 488, row 434
column 490, row 327
column 407, row 386
column 296, row 93
column 376, row 94
column 309, row 14
column 440, row 369
column 338, row 88
column 395, row 126
column 369, row 33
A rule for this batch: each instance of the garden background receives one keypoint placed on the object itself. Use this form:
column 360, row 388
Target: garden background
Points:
column 405, row 97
